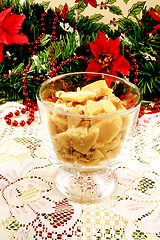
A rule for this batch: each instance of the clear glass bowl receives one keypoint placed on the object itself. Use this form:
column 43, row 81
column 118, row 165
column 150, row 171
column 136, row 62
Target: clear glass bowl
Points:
column 88, row 120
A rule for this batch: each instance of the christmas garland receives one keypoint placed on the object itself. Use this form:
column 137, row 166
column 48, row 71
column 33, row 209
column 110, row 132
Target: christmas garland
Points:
column 37, row 42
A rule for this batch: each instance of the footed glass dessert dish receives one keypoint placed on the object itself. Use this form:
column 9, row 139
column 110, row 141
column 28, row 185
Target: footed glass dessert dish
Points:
column 88, row 120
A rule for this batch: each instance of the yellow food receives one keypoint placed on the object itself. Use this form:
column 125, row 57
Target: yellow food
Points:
column 82, row 140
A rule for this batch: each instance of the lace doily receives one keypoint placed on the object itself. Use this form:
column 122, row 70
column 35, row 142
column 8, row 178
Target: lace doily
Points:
column 32, row 208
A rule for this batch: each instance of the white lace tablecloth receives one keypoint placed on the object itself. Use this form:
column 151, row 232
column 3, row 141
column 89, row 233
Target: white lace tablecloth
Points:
column 32, row 208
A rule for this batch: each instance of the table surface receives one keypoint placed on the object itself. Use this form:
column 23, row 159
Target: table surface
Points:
column 32, row 208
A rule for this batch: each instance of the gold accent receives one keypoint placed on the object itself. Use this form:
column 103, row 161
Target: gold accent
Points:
column 105, row 60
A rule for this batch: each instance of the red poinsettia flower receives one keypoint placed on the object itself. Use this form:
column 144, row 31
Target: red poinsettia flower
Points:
column 64, row 12
column 155, row 14
column 10, row 25
column 107, row 58
column 156, row 28
column 93, row 3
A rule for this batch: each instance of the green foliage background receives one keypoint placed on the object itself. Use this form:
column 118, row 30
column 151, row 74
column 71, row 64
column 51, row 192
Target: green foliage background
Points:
column 70, row 51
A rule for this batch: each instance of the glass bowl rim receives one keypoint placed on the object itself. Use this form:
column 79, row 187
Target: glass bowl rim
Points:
column 102, row 116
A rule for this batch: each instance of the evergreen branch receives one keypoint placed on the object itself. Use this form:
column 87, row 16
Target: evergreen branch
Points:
column 54, row 39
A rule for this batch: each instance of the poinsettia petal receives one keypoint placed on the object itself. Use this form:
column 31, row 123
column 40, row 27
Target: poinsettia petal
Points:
column 101, row 36
column 112, row 71
column 155, row 14
column 99, row 45
column 109, row 80
column 121, row 65
column 118, row 61
column 4, row 14
column 64, row 13
column 20, row 39
column 94, row 49
column 94, row 66
column 5, row 38
column 93, row 3
column 113, row 47
column 155, row 28
column 13, row 24
column 86, row 1
column 1, row 53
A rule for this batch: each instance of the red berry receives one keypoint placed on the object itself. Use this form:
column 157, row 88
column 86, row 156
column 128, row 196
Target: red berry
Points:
column 143, row 108
column 17, row 112
column 76, row 57
column 28, row 100
column 28, row 104
column 29, row 121
column 136, row 73
column 149, row 107
column 23, row 110
column 14, row 123
column 6, row 117
column 136, row 66
column 31, row 114
column 135, row 80
column 156, row 107
column 58, row 68
column 131, row 54
column 22, row 123
column 134, row 60
column 24, row 80
column 24, row 87
column 35, row 108
column 69, row 60
column 38, row 79
column 10, row 114
column 27, row 108
column 25, row 94
column 8, row 121
column 32, row 119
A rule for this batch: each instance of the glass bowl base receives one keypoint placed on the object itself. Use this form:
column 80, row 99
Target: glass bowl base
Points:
column 86, row 187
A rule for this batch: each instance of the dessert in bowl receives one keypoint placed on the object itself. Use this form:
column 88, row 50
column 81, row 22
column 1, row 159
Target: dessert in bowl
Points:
column 88, row 119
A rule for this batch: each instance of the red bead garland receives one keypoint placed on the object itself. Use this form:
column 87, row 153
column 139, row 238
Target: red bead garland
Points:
column 30, row 111
column 30, row 106
column 150, row 107
column 134, row 66
column 55, row 69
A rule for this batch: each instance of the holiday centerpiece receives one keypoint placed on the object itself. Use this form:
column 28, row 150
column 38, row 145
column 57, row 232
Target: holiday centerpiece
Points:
column 38, row 42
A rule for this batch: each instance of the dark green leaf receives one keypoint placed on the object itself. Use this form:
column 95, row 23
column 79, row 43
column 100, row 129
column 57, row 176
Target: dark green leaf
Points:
column 80, row 7
column 110, row 1
column 136, row 9
column 126, row 1
column 115, row 10
column 13, row 226
column 157, row 7
column 60, row 7
column 96, row 17
column 45, row 5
